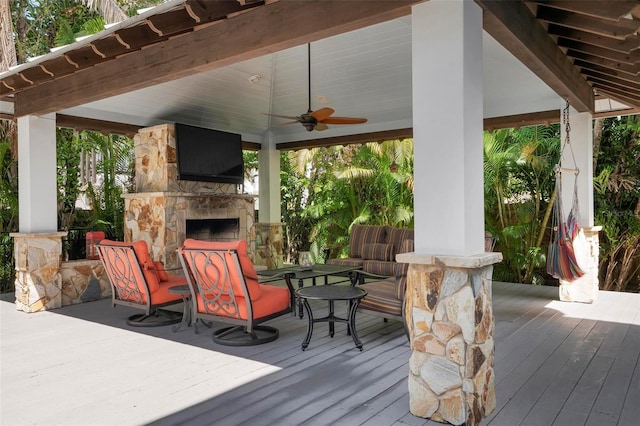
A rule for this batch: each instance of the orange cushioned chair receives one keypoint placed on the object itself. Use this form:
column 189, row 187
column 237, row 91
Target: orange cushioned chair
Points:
column 226, row 288
column 139, row 282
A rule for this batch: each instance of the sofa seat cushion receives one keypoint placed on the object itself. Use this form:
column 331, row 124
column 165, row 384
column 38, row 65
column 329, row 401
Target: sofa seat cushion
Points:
column 377, row 267
column 273, row 299
column 349, row 261
column 365, row 234
column 381, row 297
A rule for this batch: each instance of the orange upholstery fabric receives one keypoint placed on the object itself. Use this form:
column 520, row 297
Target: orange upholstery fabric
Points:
column 250, row 275
column 127, row 279
column 146, row 263
column 273, row 299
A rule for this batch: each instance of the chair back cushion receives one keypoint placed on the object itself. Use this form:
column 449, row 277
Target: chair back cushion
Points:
column 365, row 234
column 146, row 263
column 248, row 270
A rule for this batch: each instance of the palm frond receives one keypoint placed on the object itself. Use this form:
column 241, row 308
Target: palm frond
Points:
column 108, row 9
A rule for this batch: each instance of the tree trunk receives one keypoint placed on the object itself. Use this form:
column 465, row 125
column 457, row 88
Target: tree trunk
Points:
column 8, row 59
column 597, row 138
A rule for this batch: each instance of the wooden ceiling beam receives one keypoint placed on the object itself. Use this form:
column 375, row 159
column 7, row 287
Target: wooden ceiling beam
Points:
column 618, row 29
column 210, row 48
column 627, row 58
column 360, row 138
column 521, row 120
column 635, row 83
column 617, row 66
column 100, row 126
column 512, row 25
column 618, row 95
column 587, row 67
column 627, row 45
column 611, row 10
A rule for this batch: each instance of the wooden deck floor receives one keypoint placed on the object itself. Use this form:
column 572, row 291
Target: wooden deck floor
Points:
column 556, row 364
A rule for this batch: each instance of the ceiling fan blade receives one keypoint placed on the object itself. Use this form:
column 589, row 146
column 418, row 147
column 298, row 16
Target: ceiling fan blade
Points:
column 344, row 120
column 320, row 127
column 322, row 113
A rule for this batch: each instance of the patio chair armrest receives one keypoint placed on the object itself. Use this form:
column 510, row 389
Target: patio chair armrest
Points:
column 363, row 276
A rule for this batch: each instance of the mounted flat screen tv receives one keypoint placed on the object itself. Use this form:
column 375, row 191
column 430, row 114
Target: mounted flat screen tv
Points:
column 209, row 155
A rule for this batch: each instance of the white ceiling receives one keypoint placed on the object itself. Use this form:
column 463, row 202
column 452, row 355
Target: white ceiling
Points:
column 364, row 73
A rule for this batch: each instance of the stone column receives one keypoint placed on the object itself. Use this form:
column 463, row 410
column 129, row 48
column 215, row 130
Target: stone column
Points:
column 584, row 289
column 269, row 249
column 450, row 319
column 38, row 279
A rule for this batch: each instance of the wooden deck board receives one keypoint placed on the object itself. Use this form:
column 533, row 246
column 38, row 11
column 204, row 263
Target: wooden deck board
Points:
column 556, row 363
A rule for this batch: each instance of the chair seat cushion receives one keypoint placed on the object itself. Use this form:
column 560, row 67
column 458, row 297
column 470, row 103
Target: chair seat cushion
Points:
column 381, row 297
column 273, row 299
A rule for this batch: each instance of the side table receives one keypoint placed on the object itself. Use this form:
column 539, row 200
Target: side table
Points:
column 331, row 293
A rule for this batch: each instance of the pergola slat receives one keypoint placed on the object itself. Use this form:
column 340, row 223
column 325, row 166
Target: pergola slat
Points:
column 619, row 29
column 627, row 45
column 611, row 10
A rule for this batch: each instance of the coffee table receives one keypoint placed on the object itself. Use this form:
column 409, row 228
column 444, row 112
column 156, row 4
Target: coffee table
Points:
column 331, row 293
column 316, row 271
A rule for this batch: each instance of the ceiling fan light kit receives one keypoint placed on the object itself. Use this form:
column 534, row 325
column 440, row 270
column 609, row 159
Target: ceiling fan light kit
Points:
column 319, row 119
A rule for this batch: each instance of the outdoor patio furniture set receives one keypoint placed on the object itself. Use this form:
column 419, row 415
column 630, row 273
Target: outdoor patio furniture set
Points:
column 220, row 284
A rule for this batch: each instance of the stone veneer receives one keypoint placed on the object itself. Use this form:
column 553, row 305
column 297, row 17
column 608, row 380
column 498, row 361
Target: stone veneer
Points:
column 450, row 319
column 158, row 210
column 84, row 281
column 160, row 218
column 269, row 249
column 38, row 281
column 585, row 289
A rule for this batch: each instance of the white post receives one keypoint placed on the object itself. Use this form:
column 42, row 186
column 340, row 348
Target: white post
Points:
column 579, row 154
column 37, row 193
column 451, row 377
column 447, row 127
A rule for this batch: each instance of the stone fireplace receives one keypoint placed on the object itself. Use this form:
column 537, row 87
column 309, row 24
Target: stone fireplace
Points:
column 164, row 211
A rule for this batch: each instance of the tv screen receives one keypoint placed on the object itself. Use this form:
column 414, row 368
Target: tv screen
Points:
column 208, row 155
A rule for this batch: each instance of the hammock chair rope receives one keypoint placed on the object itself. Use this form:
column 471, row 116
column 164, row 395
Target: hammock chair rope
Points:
column 561, row 257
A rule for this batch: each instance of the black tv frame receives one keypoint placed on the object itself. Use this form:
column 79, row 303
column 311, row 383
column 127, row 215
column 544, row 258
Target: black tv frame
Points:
column 195, row 143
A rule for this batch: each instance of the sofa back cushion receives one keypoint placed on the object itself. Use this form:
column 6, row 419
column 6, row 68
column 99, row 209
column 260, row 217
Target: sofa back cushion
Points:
column 397, row 237
column 365, row 234
column 377, row 251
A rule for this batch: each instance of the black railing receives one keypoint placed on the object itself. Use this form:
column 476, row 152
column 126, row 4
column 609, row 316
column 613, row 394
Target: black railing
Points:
column 7, row 264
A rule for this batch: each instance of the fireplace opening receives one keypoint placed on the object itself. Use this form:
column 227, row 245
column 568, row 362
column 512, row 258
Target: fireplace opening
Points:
column 213, row 229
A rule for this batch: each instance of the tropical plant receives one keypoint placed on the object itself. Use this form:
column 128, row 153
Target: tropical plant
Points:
column 327, row 190
column 617, row 204
column 519, row 190
column 115, row 167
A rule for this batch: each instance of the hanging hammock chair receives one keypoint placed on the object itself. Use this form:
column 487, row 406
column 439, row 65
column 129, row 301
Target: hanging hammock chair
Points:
column 562, row 260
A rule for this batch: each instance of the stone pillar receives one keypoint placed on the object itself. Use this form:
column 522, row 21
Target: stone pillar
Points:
column 269, row 250
column 450, row 319
column 83, row 281
column 584, row 289
column 38, row 279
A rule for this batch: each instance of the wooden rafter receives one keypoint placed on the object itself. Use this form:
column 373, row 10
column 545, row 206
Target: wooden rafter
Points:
column 611, row 10
column 195, row 52
column 614, row 55
column 513, row 25
column 629, row 44
column 615, row 29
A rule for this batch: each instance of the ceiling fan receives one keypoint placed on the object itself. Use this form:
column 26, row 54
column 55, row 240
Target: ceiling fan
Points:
column 318, row 119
